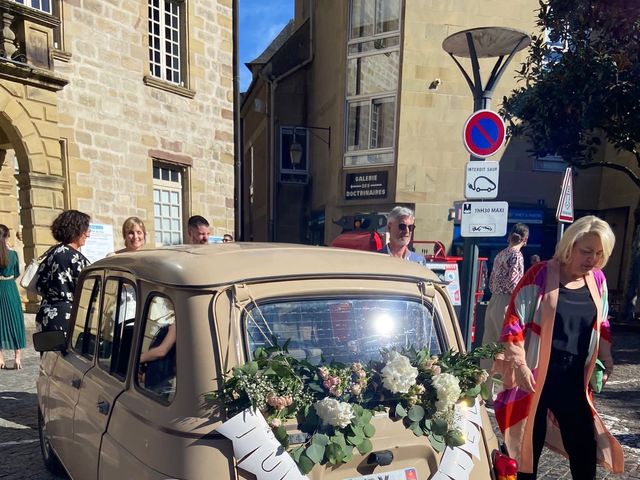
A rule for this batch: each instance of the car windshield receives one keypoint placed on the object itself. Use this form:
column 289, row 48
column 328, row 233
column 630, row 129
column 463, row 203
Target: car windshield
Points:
column 344, row 330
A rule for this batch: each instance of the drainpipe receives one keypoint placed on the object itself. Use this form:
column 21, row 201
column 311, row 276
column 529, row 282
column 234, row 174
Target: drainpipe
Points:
column 273, row 85
column 238, row 131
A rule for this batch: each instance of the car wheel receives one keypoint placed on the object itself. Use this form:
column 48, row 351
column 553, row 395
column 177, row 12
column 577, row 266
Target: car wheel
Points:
column 48, row 455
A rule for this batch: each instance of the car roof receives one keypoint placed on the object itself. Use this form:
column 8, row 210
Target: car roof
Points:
column 240, row 262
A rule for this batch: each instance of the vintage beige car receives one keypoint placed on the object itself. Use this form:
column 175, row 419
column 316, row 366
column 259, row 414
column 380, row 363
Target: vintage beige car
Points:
column 124, row 393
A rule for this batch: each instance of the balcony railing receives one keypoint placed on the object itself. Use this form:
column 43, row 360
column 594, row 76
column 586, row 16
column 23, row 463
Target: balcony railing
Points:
column 26, row 43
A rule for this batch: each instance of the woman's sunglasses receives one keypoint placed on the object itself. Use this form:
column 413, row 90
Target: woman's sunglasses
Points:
column 403, row 227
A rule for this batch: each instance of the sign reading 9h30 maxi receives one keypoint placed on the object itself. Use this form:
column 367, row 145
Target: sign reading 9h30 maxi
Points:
column 484, row 219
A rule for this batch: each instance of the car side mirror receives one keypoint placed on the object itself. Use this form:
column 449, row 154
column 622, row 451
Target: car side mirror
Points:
column 51, row 341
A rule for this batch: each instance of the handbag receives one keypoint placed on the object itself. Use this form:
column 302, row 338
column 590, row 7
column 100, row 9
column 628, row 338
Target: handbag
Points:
column 29, row 279
column 596, row 377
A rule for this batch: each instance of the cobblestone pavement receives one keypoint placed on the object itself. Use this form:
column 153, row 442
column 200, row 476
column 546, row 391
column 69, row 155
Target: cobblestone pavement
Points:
column 619, row 405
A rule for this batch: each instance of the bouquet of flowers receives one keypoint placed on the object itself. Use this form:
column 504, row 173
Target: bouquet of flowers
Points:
column 334, row 403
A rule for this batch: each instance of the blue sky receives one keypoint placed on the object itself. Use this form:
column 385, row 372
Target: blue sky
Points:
column 260, row 22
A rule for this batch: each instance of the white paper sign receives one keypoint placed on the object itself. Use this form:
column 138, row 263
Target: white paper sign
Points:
column 257, row 449
column 457, row 462
column 99, row 243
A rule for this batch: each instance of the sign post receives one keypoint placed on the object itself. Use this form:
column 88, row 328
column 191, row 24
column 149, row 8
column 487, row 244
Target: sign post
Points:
column 564, row 211
column 483, row 134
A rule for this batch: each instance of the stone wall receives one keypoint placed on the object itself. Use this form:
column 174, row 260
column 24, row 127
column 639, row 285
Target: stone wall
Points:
column 116, row 119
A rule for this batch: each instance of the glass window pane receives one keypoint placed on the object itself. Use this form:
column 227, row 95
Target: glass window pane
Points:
column 345, row 330
column 156, row 371
column 358, row 126
column 85, row 331
column 373, row 74
column 165, row 210
column 362, row 18
column 175, row 212
column 387, row 16
column 383, row 112
column 371, row 46
column 175, row 199
column 165, row 196
column 367, row 160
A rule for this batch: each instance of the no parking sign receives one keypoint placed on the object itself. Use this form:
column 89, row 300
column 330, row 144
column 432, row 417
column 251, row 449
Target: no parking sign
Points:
column 484, row 133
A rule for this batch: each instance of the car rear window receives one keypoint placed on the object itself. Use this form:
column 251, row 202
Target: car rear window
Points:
column 344, row 330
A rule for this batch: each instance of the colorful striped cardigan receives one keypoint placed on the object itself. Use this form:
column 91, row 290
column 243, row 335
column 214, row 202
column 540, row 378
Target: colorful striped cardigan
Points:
column 529, row 322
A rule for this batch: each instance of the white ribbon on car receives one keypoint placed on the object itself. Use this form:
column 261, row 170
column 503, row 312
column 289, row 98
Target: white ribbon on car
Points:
column 259, row 452
column 257, row 449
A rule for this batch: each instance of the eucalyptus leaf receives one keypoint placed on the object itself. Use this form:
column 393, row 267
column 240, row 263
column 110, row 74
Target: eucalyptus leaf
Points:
column 315, row 452
column 296, row 452
column 334, row 453
column 355, row 439
column 320, row 439
column 484, row 392
column 281, row 434
column 365, row 447
column 400, row 411
column 473, row 392
column 439, row 426
column 305, row 464
column 250, row 368
column 416, row 429
column 416, row 413
column 454, row 438
column 437, row 442
column 338, row 439
column 369, row 430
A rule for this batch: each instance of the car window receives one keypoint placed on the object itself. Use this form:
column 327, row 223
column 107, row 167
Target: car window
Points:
column 116, row 328
column 344, row 330
column 157, row 361
column 85, row 331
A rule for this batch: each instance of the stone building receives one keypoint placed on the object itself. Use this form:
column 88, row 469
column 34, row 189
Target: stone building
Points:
column 376, row 108
column 116, row 109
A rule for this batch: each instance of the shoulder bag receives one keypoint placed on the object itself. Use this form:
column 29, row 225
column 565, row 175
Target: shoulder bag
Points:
column 29, row 279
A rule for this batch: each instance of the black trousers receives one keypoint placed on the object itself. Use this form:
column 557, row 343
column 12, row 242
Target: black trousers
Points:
column 563, row 394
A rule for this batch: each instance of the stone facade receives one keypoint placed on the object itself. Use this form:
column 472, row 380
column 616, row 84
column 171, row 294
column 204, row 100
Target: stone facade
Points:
column 433, row 102
column 83, row 122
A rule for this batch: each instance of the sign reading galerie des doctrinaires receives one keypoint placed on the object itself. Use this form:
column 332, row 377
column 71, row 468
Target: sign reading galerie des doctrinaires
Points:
column 366, row 186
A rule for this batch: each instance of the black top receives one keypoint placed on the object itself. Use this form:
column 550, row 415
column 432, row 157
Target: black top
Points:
column 575, row 316
column 57, row 277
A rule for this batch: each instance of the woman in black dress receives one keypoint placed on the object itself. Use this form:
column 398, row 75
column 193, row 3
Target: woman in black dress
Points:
column 59, row 271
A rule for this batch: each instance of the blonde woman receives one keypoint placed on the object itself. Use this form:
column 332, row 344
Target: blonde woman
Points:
column 134, row 235
column 555, row 328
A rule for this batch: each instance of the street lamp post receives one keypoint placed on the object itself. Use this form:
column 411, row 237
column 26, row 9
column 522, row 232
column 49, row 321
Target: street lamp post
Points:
column 476, row 43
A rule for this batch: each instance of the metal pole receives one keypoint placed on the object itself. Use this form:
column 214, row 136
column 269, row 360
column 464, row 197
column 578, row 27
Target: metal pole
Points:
column 560, row 231
column 470, row 262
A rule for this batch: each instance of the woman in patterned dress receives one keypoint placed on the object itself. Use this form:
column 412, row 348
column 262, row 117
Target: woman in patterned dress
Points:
column 59, row 271
column 12, row 336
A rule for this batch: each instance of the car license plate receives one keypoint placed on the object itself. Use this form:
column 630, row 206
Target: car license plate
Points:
column 404, row 474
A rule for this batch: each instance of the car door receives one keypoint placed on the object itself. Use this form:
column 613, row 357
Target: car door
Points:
column 69, row 370
column 103, row 384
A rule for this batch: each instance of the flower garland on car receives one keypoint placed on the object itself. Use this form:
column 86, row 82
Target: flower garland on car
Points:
column 334, row 403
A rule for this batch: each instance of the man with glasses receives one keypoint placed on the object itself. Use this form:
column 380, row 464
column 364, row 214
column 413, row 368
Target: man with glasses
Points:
column 401, row 224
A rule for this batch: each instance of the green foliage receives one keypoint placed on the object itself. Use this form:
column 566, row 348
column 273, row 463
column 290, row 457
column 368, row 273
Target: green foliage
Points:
column 284, row 388
column 583, row 86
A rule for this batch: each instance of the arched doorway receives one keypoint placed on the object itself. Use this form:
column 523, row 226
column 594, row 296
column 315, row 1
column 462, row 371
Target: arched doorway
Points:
column 31, row 180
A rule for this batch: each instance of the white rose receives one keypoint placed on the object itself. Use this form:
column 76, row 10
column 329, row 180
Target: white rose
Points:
column 333, row 412
column 448, row 390
column 398, row 375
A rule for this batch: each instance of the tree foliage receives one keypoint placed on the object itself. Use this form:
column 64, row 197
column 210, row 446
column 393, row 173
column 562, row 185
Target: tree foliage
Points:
column 583, row 85
column 581, row 88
